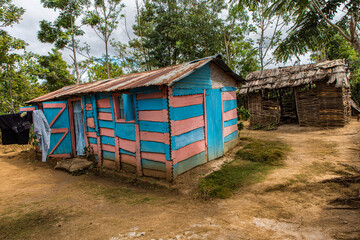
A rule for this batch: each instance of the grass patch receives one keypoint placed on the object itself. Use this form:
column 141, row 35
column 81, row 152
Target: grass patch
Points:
column 117, row 194
column 251, row 165
column 267, row 152
column 28, row 225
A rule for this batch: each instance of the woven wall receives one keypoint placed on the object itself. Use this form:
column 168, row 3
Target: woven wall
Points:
column 324, row 106
column 263, row 112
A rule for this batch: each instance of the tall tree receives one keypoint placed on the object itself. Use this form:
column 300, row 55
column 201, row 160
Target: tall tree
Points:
column 55, row 72
column 314, row 21
column 241, row 52
column 9, row 47
column 103, row 17
column 64, row 30
column 173, row 31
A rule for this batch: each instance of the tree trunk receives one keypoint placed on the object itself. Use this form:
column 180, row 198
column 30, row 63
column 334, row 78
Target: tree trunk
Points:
column 107, row 58
column 74, row 51
column 11, row 96
column 75, row 61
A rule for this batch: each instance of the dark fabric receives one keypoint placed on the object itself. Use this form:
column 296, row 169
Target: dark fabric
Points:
column 15, row 129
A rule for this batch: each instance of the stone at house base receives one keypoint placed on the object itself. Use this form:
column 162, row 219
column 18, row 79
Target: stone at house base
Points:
column 73, row 164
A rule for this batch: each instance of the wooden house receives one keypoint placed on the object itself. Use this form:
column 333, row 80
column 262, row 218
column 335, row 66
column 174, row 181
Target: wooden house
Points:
column 159, row 123
column 310, row 95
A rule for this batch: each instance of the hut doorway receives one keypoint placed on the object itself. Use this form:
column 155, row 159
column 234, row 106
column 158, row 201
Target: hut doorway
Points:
column 79, row 128
column 288, row 106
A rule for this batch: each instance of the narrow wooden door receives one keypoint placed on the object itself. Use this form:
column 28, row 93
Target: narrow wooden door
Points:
column 57, row 115
column 214, row 123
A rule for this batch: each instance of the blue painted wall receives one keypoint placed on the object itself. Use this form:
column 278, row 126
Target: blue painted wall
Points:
column 61, row 122
column 214, row 123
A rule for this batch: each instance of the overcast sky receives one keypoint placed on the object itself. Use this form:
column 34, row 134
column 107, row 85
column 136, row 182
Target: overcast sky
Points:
column 34, row 12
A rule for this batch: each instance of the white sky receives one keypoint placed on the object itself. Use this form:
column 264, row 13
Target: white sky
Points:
column 34, row 12
column 29, row 26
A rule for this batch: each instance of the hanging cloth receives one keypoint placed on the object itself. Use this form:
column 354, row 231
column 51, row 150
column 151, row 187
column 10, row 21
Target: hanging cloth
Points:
column 15, row 128
column 42, row 132
column 79, row 128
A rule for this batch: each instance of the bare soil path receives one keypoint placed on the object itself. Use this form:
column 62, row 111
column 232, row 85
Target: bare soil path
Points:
column 37, row 202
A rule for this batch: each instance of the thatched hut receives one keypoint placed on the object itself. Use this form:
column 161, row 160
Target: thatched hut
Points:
column 311, row 95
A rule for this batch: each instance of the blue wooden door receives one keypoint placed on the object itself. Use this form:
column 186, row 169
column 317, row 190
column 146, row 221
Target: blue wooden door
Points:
column 57, row 115
column 214, row 123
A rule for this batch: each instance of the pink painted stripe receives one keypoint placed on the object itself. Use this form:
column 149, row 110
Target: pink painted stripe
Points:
column 183, row 101
column 109, row 148
column 155, row 116
column 186, row 125
column 228, row 95
column 230, row 115
column 230, row 129
column 128, row 159
column 88, row 106
column 90, row 122
column 105, row 116
column 107, row 132
column 103, row 103
column 159, row 157
column 188, row 151
column 28, row 109
column 91, row 134
column 127, row 145
column 155, row 137
column 142, row 96
column 94, row 147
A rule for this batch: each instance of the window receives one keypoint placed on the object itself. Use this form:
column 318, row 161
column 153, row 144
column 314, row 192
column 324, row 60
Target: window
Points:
column 123, row 107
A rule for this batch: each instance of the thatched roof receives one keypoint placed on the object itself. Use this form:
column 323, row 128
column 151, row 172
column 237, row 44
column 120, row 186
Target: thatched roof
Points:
column 330, row 71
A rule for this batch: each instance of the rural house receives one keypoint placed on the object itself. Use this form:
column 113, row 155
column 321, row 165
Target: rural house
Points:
column 311, row 95
column 159, row 123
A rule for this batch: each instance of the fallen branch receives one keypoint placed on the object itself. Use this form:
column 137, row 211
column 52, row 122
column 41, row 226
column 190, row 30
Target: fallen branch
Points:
column 344, row 180
column 342, row 208
column 356, row 169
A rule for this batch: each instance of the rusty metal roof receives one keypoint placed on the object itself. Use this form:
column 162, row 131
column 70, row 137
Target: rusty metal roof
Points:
column 162, row 76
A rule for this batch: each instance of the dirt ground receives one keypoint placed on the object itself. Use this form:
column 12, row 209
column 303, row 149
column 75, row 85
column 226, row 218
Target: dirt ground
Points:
column 37, row 202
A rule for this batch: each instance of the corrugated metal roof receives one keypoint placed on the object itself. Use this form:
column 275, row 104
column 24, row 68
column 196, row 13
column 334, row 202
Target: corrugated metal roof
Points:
column 161, row 76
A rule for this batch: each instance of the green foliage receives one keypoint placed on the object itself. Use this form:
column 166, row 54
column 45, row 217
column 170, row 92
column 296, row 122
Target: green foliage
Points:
column 171, row 32
column 243, row 113
column 336, row 47
column 251, row 165
column 99, row 71
column 63, row 31
column 310, row 28
column 9, row 13
column 55, row 71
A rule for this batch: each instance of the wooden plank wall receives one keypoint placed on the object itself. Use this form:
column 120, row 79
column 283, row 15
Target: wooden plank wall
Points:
column 230, row 129
column 154, row 136
column 187, row 129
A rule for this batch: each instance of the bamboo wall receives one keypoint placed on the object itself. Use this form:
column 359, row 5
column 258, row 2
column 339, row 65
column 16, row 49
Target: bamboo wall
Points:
column 263, row 112
column 323, row 106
